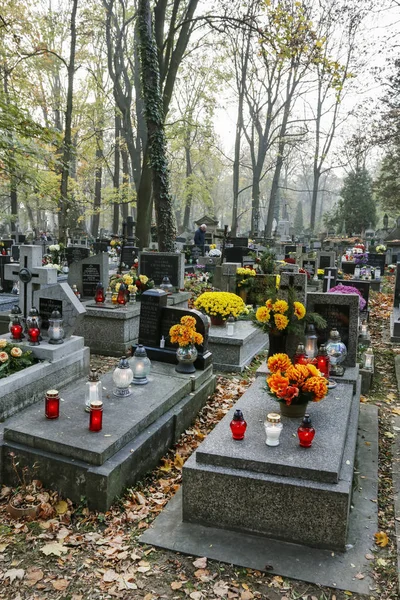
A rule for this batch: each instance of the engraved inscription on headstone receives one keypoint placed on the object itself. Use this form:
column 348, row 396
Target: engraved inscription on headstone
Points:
column 151, row 305
column 309, row 266
column 75, row 253
column 157, row 265
column 90, row 279
column 46, row 307
column 337, row 317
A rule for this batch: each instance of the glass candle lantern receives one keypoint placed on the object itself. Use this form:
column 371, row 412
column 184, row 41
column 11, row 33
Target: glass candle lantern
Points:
column 96, row 416
column 132, row 298
column 368, row 272
column 238, row 425
column 122, row 378
column 109, row 295
column 99, row 296
column 377, row 273
column 52, row 404
column 114, row 298
column 33, row 332
column 311, row 342
column 15, row 312
column 273, row 428
column 230, row 326
column 357, row 272
column 323, row 361
column 306, row 432
column 56, row 330
column 33, row 315
column 16, row 329
column 65, row 267
column 141, row 366
column 337, row 353
column 121, row 298
column 300, row 358
column 364, row 329
column 166, row 285
column 93, row 392
column 369, row 359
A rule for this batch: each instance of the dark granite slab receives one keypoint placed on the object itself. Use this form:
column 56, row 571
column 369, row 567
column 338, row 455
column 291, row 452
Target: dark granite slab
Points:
column 321, row 462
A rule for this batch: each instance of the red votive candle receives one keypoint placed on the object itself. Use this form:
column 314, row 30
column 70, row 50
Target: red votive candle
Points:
column 96, row 416
column 238, row 425
column 52, row 404
column 323, row 362
column 306, row 432
column 34, row 334
column 16, row 331
column 99, row 297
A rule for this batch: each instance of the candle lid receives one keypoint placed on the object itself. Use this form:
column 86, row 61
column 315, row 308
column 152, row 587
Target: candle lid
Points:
column 93, row 375
column 273, row 418
column 52, row 393
column 96, row 405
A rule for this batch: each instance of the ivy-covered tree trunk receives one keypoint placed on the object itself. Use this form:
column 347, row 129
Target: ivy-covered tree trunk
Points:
column 117, row 132
column 154, row 115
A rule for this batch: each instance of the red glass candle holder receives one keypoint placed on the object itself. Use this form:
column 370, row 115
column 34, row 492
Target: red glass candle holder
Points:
column 34, row 335
column 306, row 432
column 300, row 358
column 52, row 404
column 99, row 297
column 96, row 416
column 16, row 331
column 121, row 298
column 323, row 365
column 238, row 425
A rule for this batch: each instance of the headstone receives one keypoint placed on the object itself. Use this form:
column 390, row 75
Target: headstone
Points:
column 236, row 254
column 238, row 241
column 87, row 273
column 156, row 319
column 76, row 253
column 326, row 259
column 15, row 252
column 289, row 268
column 296, row 280
column 348, row 267
column 330, row 277
column 31, row 275
column 228, row 277
column 19, row 238
column 362, row 286
column 316, row 245
column 288, row 249
column 157, row 265
column 396, row 301
column 7, row 243
column 341, row 311
column 128, row 251
column 101, row 246
column 310, row 265
column 128, row 255
column 6, row 284
column 59, row 297
column 377, row 260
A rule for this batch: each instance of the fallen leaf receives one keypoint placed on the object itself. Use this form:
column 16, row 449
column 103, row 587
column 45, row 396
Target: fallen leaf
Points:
column 3, row 547
column 396, row 411
column 370, row 556
column 33, row 576
column 110, row 576
column 389, row 435
column 143, row 569
column 201, row 573
column 246, row 595
column 200, row 563
column 359, row 576
column 196, row 595
column 149, row 596
column 220, row 588
column 176, row 585
column 13, row 574
column 381, row 539
column 61, row 507
column 54, row 548
column 60, row 584
column 178, row 462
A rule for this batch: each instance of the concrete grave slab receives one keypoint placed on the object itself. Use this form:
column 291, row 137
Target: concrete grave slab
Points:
column 234, row 353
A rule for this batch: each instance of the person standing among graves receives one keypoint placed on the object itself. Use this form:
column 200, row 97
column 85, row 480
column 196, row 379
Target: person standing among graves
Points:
column 200, row 235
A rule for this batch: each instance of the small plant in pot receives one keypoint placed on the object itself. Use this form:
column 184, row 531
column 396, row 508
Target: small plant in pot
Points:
column 27, row 498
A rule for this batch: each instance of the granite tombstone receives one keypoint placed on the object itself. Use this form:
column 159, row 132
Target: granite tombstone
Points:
column 76, row 253
column 87, row 273
column 59, row 297
column 157, row 265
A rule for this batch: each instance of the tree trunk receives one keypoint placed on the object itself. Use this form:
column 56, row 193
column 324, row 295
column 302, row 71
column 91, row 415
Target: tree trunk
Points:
column 67, row 145
column 98, row 179
column 125, row 182
column 117, row 133
column 155, row 126
column 189, row 171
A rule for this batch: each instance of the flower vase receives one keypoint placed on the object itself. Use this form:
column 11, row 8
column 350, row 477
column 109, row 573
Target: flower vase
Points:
column 277, row 342
column 186, row 356
column 294, row 411
column 243, row 295
column 217, row 321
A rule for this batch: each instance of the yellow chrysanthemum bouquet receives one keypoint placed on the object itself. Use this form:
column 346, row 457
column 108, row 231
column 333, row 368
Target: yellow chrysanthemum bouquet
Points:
column 221, row 304
column 245, row 277
column 295, row 384
column 185, row 333
column 279, row 314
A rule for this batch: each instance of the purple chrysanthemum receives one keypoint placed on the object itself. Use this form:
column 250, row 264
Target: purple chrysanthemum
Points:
column 347, row 289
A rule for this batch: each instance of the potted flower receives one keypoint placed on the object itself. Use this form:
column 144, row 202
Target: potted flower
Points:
column 185, row 335
column 220, row 305
column 294, row 386
column 14, row 359
column 244, row 281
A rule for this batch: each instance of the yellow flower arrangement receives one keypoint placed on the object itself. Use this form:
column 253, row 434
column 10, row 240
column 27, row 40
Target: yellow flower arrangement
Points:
column 143, row 279
column 185, row 333
column 245, row 277
column 221, row 304
column 13, row 359
column 279, row 315
column 3, row 343
column 16, row 352
column 295, row 384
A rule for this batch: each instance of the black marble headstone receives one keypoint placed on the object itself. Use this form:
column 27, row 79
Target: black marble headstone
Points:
column 348, row 267
column 15, row 252
column 238, row 241
column 151, row 304
column 76, row 253
column 362, row 286
column 324, row 261
column 397, row 287
column 236, row 254
column 330, row 276
column 157, row 265
column 377, row 260
column 90, row 279
column 46, row 307
column 101, row 246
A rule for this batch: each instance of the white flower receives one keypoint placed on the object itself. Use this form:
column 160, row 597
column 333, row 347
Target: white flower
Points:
column 54, row 248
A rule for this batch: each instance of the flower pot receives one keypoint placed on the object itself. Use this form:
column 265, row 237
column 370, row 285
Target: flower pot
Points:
column 293, row 411
column 17, row 513
column 277, row 342
column 243, row 295
column 186, row 356
column 217, row 321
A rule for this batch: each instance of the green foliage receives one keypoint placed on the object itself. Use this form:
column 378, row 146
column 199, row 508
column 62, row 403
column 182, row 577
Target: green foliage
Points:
column 359, row 207
column 387, row 185
column 10, row 364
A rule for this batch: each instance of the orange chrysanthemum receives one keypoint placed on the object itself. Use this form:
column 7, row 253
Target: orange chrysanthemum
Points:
column 316, row 385
column 297, row 373
column 263, row 314
column 299, row 310
column 280, row 306
column 269, row 304
column 313, row 371
column 188, row 321
column 281, row 321
column 277, row 384
column 278, row 362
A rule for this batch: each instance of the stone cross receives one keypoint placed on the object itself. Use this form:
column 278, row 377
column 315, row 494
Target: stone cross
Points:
column 31, row 274
column 329, row 276
column 297, row 281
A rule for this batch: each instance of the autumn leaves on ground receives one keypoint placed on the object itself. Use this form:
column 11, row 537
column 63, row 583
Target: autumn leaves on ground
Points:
column 72, row 553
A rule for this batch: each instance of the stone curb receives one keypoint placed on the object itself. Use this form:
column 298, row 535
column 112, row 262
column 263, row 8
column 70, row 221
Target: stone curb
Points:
column 396, row 474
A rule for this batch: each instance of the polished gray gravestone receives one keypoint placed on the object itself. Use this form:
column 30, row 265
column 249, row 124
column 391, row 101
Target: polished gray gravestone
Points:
column 137, row 431
column 60, row 297
column 157, row 265
column 88, row 272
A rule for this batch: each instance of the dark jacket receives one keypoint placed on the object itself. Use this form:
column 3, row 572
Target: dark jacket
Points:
column 199, row 237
